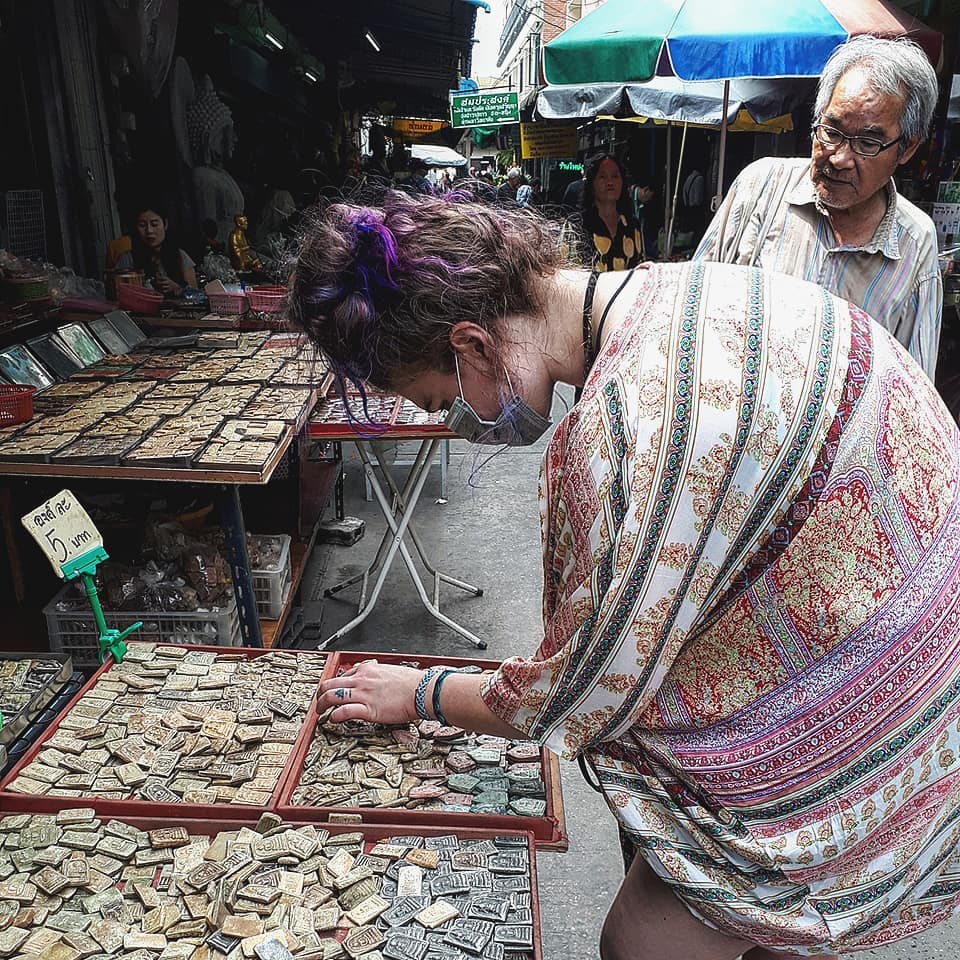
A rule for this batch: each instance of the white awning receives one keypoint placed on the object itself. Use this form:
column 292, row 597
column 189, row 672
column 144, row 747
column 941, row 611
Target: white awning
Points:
column 436, row 156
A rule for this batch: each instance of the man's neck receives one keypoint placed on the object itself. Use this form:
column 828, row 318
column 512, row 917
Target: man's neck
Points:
column 856, row 226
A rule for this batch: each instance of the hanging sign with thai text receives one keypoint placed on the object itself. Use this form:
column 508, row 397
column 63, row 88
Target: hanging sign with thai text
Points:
column 538, row 140
column 484, row 109
column 411, row 129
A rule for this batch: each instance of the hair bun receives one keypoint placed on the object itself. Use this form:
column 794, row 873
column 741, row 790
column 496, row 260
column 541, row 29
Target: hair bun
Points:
column 376, row 261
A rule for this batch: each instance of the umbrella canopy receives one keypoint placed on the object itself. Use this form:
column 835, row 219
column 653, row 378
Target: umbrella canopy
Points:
column 742, row 123
column 624, row 41
column 669, row 98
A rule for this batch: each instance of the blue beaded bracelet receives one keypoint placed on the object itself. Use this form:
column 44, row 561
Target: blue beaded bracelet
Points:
column 437, row 712
column 420, row 697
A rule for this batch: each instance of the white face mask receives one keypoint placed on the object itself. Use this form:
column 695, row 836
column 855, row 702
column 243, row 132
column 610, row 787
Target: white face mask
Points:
column 518, row 424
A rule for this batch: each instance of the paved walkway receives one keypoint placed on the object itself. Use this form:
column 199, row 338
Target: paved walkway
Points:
column 488, row 533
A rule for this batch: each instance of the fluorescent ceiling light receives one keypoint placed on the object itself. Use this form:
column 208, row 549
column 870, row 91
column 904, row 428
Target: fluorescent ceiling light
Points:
column 272, row 39
column 311, row 77
column 372, row 40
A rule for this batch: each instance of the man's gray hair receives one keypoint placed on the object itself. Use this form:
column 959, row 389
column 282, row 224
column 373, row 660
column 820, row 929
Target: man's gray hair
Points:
column 899, row 68
column 514, row 172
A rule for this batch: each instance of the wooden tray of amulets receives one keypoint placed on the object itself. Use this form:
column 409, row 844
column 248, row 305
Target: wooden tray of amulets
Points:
column 236, row 454
column 98, row 450
column 549, row 831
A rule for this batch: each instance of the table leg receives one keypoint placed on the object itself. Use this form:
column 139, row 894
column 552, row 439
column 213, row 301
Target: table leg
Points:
column 403, row 506
column 13, row 554
column 395, row 542
column 374, row 567
column 235, row 541
column 338, row 488
column 400, row 498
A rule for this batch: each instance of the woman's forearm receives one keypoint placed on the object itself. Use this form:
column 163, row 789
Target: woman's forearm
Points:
column 462, row 705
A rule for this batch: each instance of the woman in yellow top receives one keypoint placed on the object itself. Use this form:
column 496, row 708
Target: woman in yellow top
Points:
column 613, row 237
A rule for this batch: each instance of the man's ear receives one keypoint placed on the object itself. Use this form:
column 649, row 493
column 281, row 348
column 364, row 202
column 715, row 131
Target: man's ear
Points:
column 912, row 146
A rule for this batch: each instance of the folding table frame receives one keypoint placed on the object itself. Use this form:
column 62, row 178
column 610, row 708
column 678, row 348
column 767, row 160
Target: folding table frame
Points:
column 398, row 510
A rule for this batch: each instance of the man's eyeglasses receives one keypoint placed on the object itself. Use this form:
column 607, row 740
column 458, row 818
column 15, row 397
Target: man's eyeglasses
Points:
column 862, row 146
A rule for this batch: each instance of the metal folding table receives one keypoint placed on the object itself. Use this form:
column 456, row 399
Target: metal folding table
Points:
column 397, row 504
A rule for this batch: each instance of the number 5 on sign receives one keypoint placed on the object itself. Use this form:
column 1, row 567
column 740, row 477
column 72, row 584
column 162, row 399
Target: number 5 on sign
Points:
column 64, row 531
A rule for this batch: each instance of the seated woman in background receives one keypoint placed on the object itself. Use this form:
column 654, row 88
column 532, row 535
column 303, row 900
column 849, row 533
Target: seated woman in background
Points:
column 166, row 266
column 612, row 235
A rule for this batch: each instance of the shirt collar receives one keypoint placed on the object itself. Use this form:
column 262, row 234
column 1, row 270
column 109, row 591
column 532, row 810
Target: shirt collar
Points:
column 885, row 238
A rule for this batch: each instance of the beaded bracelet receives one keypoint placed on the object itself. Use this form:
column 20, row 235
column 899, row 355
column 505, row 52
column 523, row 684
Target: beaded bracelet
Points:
column 437, row 712
column 420, row 697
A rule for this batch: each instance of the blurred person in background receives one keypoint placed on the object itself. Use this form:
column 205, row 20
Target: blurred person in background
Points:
column 612, row 238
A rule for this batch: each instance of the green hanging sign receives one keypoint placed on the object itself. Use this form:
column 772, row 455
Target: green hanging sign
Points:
column 484, row 109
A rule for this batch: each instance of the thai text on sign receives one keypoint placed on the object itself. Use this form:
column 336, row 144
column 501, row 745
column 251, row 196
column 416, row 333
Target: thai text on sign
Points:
column 415, row 129
column 63, row 529
column 483, row 109
column 547, row 140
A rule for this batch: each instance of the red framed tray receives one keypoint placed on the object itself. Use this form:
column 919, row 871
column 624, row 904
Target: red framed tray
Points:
column 372, row 833
column 28, row 803
column 391, row 417
column 549, row 831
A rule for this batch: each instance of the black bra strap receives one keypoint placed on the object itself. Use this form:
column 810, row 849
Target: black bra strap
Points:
column 588, row 323
column 606, row 309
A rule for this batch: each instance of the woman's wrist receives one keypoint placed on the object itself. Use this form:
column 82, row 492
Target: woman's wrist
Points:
column 423, row 693
column 436, row 692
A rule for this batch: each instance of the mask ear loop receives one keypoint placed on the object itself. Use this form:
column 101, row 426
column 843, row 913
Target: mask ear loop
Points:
column 513, row 393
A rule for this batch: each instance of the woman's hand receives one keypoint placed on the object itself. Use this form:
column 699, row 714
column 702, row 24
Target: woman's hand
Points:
column 371, row 691
column 167, row 286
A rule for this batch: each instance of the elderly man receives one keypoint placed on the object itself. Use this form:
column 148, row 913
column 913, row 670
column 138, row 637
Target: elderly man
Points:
column 508, row 189
column 838, row 220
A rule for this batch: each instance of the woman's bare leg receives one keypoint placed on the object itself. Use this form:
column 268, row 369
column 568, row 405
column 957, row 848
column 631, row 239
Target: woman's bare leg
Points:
column 648, row 922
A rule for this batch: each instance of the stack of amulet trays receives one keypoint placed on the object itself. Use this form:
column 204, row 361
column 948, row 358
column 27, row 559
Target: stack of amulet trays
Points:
column 80, row 887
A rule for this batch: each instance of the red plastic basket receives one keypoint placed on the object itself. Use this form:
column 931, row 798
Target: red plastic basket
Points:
column 16, row 404
column 138, row 299
column 228, row 304
column 267, row 299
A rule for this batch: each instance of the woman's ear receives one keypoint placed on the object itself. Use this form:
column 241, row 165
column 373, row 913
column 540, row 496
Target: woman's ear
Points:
column 474, row 346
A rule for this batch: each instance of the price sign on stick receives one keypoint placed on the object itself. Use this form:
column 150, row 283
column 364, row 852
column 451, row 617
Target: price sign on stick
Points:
column 64, row 531
column 74, row 547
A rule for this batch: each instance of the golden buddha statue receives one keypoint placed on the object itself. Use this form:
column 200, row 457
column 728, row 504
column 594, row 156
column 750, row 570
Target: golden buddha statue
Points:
column 243, row 257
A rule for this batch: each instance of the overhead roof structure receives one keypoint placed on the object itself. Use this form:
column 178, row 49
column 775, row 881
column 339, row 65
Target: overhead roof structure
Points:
column 401, row 57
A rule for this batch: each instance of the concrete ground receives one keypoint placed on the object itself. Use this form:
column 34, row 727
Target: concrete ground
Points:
column 487, row 533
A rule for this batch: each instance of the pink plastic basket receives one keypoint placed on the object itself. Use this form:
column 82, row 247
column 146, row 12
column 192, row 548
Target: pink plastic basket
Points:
column 267, row 299
column 229, row 304
column 138, row 299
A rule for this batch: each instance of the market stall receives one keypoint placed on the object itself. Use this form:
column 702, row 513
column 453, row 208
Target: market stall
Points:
column 227, row 412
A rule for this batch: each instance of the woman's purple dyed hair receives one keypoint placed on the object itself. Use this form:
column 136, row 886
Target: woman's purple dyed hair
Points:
column 378, row 289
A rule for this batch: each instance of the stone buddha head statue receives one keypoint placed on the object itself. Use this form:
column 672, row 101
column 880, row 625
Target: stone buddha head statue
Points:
column 210, row 127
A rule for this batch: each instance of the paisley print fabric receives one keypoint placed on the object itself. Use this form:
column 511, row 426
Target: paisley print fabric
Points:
column 751, row 529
